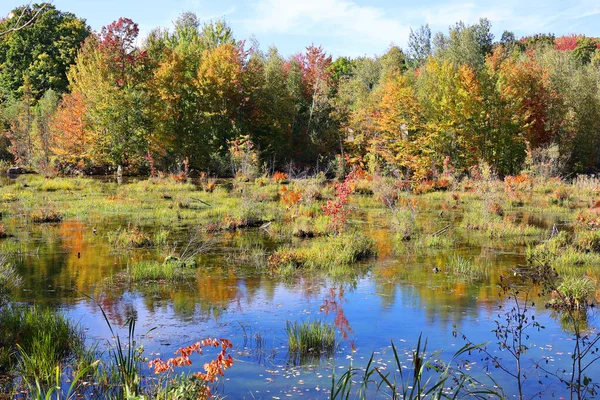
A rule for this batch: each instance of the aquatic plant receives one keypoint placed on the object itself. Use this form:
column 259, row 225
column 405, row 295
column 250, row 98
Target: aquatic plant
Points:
column 574, row 293
column 309, row 338
column 426, row 377
column 464, row 269
column 48, row 213
column 9, row 280
column 171, row 270
column 129, row 237
column 324, row 252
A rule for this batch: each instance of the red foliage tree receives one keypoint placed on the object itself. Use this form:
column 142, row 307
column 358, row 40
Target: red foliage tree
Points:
column 117, row 43
column 567, row 42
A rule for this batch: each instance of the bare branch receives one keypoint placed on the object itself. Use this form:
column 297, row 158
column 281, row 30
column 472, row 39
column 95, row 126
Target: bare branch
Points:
column 20, row 24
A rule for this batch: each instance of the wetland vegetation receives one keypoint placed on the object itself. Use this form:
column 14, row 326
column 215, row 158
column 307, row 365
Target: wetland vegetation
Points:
column 173, row 248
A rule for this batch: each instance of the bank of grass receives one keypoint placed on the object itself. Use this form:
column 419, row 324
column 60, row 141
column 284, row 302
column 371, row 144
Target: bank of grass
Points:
column 324, row 253
column 35, row 341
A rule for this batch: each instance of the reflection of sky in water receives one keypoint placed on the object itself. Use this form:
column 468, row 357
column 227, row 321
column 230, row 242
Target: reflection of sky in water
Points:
column 397, row 300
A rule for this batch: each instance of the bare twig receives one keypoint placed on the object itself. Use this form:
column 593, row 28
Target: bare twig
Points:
column 20, row 24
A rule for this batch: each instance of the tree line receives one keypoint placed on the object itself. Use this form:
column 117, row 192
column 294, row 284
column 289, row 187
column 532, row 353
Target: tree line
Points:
column 72, row 100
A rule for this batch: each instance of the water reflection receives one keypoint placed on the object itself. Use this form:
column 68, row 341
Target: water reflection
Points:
column 395, row 296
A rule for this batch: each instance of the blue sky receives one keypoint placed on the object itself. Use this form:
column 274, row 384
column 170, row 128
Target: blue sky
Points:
column 343, row 27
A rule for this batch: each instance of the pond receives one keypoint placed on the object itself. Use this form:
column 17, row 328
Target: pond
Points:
column 400, row 294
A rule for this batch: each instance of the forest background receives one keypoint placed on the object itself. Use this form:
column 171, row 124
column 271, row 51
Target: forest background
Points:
column 194, row 98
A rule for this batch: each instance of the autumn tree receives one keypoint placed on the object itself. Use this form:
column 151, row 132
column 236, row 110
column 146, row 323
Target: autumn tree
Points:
column 71, row 139
column 109, row 74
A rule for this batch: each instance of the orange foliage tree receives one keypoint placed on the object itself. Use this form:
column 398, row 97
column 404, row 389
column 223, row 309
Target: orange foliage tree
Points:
column 72, row 142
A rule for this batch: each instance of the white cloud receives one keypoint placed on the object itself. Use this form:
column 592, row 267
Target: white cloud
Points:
column 332, row 18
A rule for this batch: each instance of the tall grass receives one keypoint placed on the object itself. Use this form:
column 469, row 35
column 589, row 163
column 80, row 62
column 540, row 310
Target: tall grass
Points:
column 36, row 341
column 9, row 280
column 324, row 253
column 465, row 269
column 309, row 338
column 574, row 292
column 126, row 358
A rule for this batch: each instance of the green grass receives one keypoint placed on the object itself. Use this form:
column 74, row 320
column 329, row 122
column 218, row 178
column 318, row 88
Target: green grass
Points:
column 464, row 269
column 324, row 253
column 9, row 280
column 152, row 270
column 311, row 337
column 574, row 292
column 36, row 340
column 443, row 241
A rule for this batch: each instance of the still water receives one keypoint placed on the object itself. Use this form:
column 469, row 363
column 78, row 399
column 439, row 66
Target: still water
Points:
column 394, row 297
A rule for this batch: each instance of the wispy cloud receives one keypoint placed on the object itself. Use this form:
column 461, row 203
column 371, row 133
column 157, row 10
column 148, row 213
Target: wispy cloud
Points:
column 331, row 18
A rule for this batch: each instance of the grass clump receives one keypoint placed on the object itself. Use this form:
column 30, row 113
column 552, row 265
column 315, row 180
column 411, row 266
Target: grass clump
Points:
column 9, row 280
column 36, row 341
column 47, row 214
column 130, row 237
column 324, row 253
column 309, row 338
column 437, row 241
column 465, row 269
column 172, row 269
column 573, row 293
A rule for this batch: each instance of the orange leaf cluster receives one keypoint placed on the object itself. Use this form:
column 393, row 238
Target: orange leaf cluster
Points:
column 212, row 369
column 280, row 176
column 289, row 197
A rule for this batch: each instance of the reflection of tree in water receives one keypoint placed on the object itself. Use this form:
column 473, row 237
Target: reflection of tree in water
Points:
column 442, row 295
column 217, row 289
column 117, row 308
column 332, row 304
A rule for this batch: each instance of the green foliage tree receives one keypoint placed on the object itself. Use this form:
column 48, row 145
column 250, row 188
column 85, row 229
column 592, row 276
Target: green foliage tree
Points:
column 419, row 46
column 466, row 44
column 42, row 50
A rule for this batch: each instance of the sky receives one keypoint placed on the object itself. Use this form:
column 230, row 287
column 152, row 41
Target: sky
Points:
column 343, row 27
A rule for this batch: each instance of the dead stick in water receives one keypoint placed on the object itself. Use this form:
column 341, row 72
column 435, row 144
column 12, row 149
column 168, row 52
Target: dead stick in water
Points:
column 201, row 201
column 443, row 230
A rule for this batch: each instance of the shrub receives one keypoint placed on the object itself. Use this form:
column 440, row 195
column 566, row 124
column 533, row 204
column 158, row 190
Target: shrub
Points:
column 495, row 208
column 280, row 176
column 3, row 231
column 289, row 197
column 560, row 195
